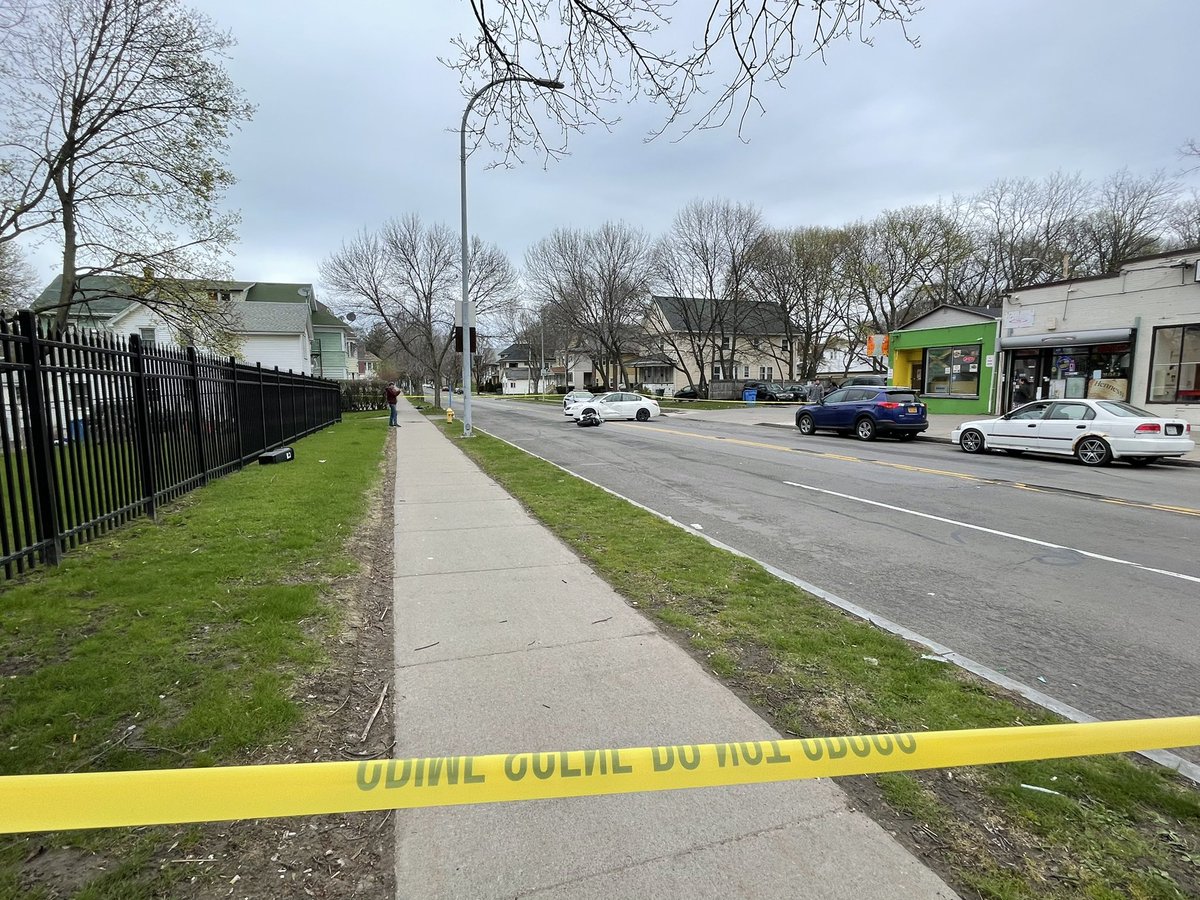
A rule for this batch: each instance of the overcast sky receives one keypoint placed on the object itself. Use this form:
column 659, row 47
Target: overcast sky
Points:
column 357, row 122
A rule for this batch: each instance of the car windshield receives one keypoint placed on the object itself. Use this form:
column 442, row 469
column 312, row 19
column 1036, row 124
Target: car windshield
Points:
column 902, row 396
column 1124, row 410
column 774, row 386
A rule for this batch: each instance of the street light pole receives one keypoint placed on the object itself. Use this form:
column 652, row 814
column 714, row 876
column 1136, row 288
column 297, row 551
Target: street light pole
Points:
column 466, row 302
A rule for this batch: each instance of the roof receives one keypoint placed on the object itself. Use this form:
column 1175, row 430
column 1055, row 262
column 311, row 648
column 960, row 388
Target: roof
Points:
column 990, row 313
column 278, row 292
column 323, row 317
column 274, row 318
column 96, row 293
column 695, row 314
column 514, row 352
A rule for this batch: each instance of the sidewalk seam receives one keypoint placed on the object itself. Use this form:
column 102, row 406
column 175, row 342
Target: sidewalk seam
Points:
column 529, row 648
column 684, row 853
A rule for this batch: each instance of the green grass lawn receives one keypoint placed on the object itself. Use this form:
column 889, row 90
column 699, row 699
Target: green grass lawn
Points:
column 1116, row 826
column 177, row 642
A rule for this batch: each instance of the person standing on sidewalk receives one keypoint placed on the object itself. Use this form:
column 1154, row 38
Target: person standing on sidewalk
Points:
column 392, row 393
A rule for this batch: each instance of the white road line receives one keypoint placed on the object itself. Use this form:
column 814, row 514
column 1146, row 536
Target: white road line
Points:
column 1003, row 534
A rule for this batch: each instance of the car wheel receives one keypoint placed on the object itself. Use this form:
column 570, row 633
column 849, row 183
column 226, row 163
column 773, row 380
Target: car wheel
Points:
column 864, row 429
column 806, row 424
column 1140, row 461
column 971, row 441
column 643, row 415
column 1093, row 451
column 1015, row 452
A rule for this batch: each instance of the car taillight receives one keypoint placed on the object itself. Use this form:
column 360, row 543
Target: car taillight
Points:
column 1148, row 428
column 888, row 404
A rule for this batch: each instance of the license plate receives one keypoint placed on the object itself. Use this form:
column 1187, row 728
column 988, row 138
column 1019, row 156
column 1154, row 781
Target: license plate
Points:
column 1174, row 429
column 912, row 409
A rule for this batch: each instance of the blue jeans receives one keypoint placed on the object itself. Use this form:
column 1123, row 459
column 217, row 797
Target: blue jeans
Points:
column 392, row 414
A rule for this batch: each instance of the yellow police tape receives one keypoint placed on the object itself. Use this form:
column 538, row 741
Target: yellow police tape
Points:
column 104, row 799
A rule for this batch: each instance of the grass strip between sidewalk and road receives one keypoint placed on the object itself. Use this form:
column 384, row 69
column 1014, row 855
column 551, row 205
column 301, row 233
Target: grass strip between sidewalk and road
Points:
column 1094, row 827
column 178, row 642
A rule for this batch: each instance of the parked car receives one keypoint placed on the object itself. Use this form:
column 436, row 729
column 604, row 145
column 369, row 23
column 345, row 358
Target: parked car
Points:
column 867, row 412
column 690, row 392
column 805, row 393
column 865, row 381
column 575, row 397
column 769, row 391
column 1094, row 431
column 618, row 405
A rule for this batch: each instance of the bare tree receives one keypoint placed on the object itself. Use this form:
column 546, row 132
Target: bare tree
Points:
column 801, row 272
column 1129, row 219
column 609, row 51
column 704, row 265
column 888, row 264
column 1184, row 223
column 408, row 277
column 1025, row 226
column 595, row 282
column 115, row 121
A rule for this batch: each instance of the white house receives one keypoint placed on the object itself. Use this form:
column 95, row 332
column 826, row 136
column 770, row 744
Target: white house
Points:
column 1133, row 336
column 274, row 323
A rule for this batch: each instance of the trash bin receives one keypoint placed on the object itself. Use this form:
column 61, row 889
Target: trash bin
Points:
column 749, row 395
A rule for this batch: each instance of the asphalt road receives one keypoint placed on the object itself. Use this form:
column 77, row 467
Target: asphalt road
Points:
column 1083, row 583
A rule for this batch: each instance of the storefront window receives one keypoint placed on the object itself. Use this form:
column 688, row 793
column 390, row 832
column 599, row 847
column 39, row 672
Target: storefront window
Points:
column 952, row 371
column 1175, row 365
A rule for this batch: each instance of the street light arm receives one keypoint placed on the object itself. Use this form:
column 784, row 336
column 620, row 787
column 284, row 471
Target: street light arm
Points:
column 551, row 84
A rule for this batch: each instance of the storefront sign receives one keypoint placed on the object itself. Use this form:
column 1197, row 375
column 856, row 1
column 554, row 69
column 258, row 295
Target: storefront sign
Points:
column 1108, row 389
column 1018, row 318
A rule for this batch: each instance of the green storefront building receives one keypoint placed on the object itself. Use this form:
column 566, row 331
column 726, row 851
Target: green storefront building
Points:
column 949, row 356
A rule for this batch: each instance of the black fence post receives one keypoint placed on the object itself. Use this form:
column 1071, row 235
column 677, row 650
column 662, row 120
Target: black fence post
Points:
column 279, row 403
column 262, row 409
column 304, row 401
column 141, row 407
column 237, row 411
column 41, row 461
column 292, row 405
column 197, row 423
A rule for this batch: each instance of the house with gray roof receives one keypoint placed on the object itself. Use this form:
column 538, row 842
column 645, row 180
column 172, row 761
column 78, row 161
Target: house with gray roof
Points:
column 699, row 341
column 272, row 323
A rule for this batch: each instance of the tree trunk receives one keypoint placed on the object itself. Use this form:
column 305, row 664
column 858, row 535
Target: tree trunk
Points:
column 70, row 250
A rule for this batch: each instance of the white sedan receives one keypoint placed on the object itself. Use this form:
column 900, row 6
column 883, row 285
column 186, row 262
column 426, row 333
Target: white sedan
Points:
column 1093, row 431
column 575, row 397
column 618, row 405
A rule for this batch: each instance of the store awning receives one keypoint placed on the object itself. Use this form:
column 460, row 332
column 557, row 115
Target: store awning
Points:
column 1067, row 338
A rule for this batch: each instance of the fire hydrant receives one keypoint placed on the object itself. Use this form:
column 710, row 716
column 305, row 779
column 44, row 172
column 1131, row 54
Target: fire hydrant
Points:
column 450, row 417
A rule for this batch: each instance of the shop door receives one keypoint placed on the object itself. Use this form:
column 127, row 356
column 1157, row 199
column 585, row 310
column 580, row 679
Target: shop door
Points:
column 1025, row 379
column 918, row 377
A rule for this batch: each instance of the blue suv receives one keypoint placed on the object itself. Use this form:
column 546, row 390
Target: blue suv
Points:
column 867, row 412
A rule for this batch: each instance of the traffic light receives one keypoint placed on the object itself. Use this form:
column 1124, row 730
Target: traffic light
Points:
column 458, row 340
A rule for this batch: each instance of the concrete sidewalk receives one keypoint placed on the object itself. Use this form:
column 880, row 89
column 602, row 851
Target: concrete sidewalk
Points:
column 785, row 415
column 505, row 642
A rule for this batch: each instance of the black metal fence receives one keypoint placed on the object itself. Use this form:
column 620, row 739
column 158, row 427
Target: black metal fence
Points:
column 96, row 430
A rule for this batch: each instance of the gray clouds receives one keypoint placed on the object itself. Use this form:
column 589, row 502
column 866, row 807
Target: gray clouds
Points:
column 357, row 122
